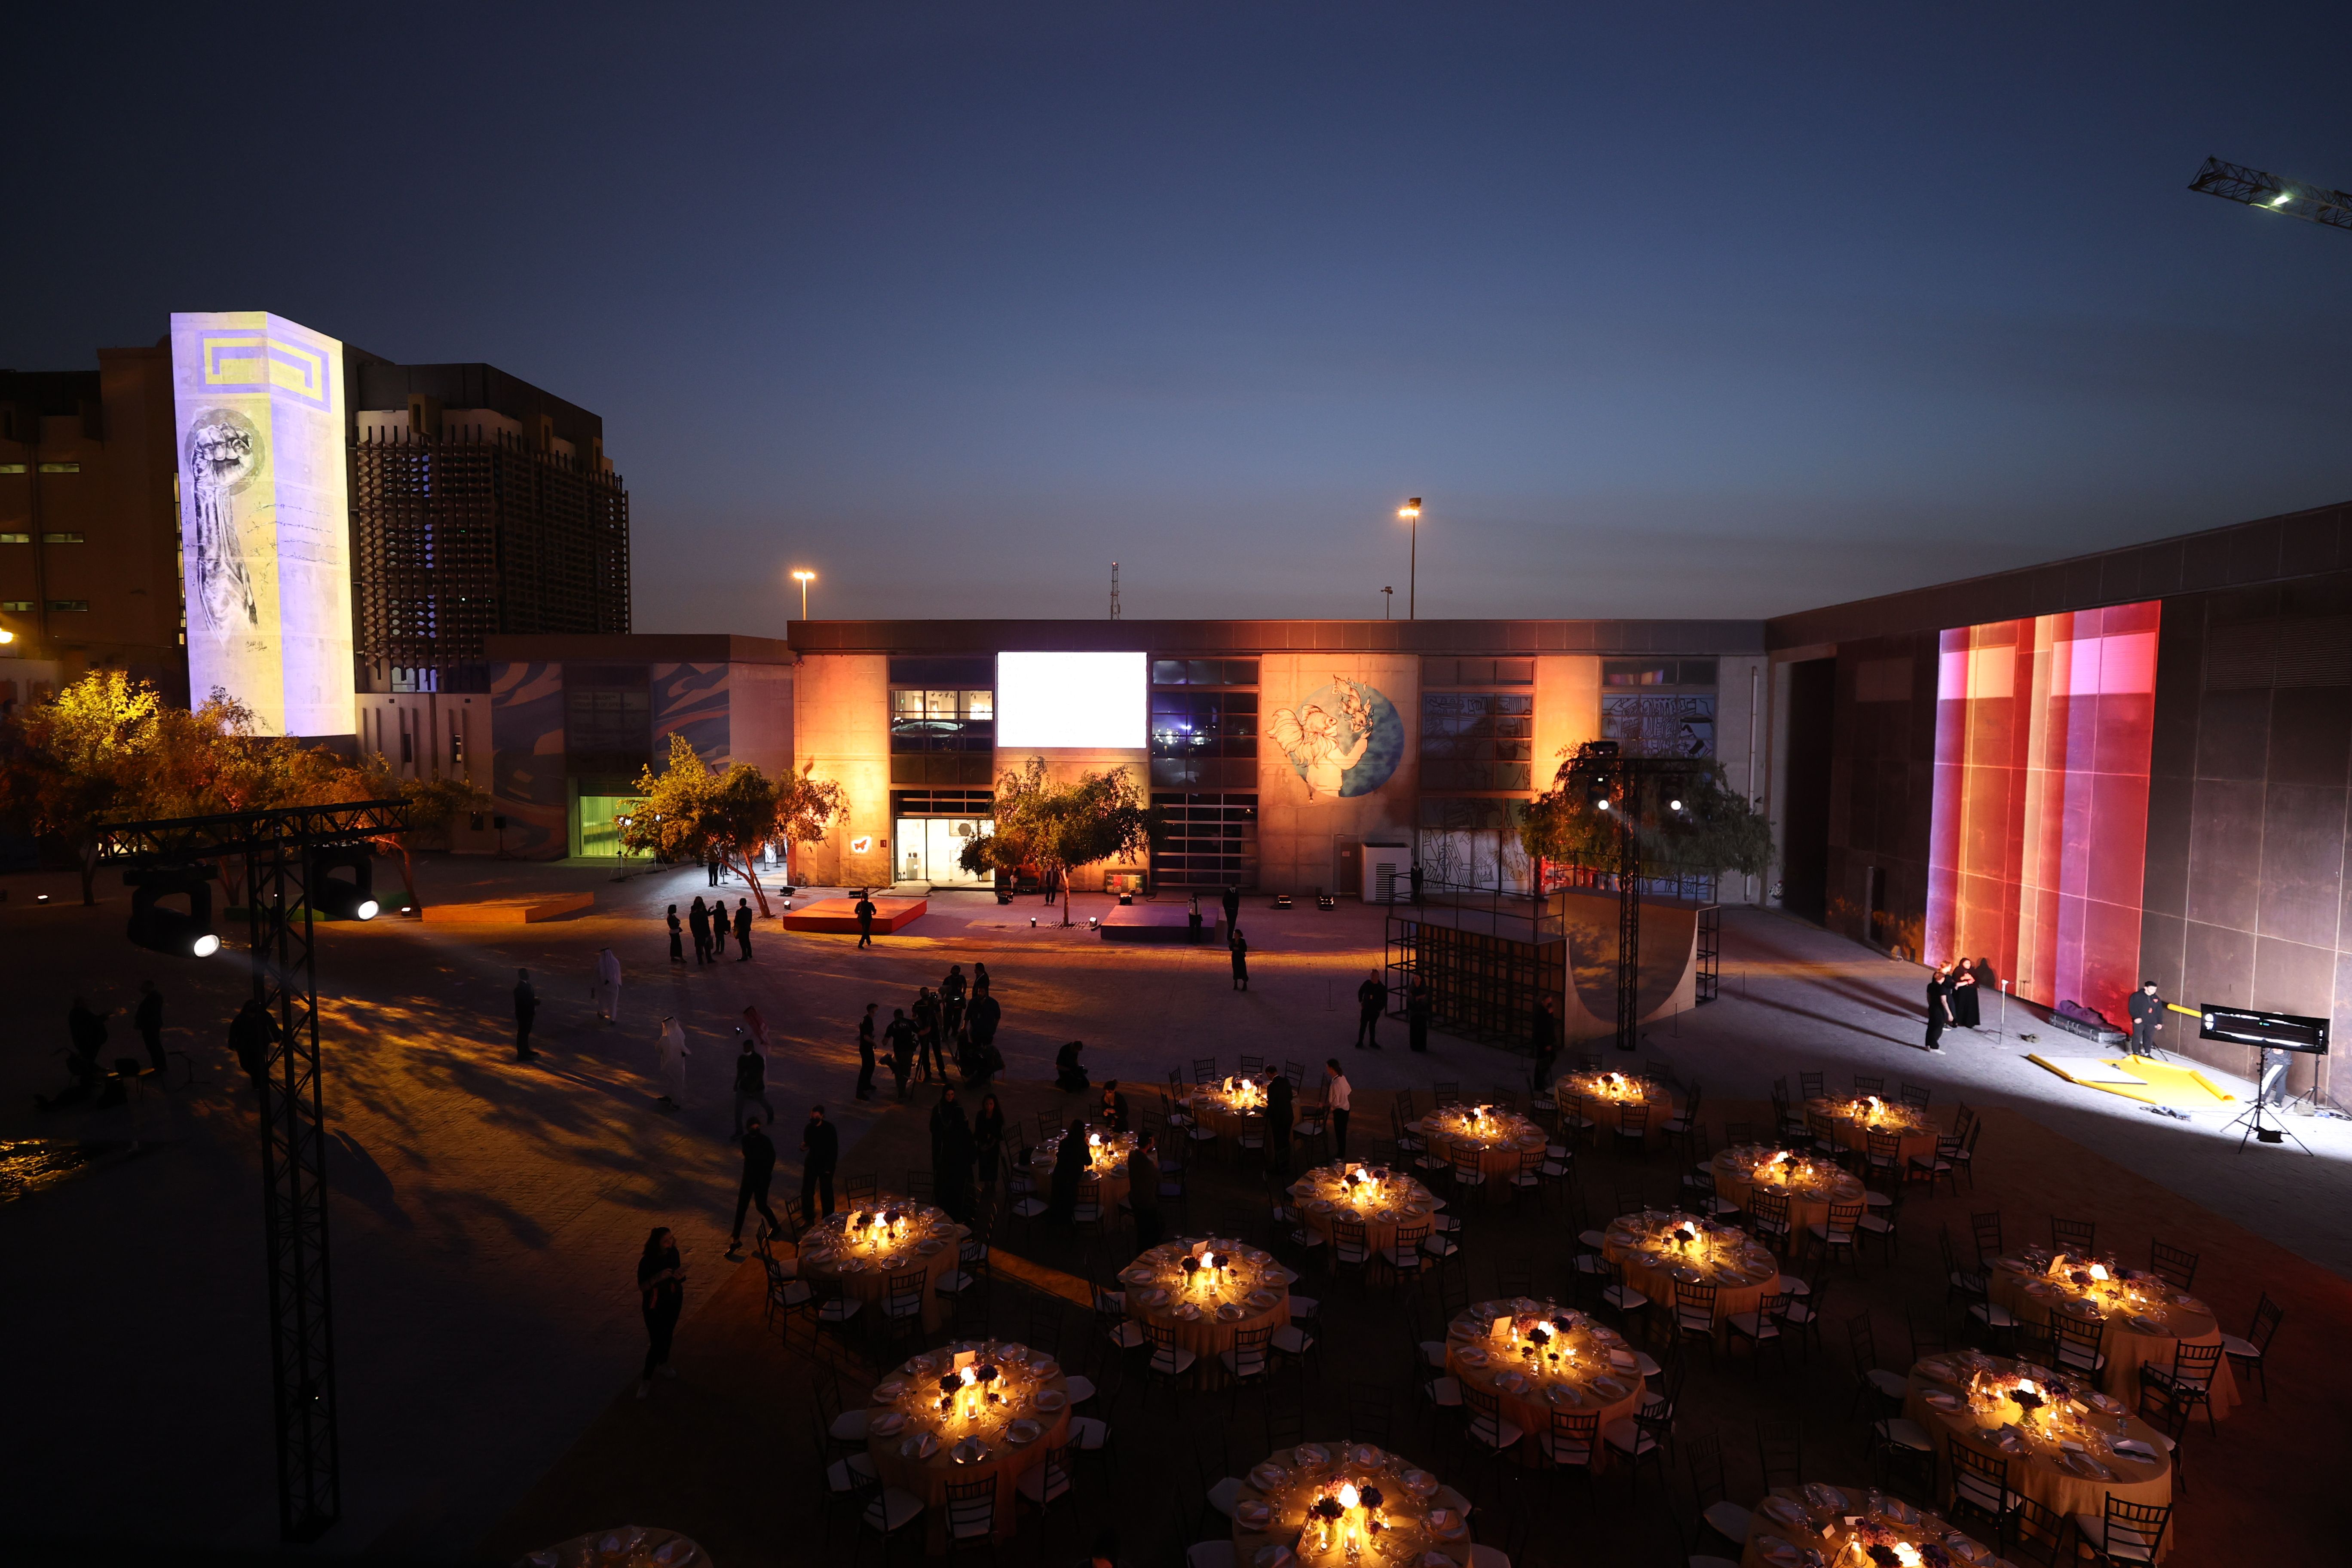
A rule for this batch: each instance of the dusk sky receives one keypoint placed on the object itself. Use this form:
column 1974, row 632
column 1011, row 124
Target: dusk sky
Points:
column 1666, row 310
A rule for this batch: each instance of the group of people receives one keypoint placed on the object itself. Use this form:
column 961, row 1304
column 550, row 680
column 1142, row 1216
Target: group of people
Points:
column 709, row 924
column 86, row 1037
column 1372, row 1005
column 1952, row 999
column 958, row 1021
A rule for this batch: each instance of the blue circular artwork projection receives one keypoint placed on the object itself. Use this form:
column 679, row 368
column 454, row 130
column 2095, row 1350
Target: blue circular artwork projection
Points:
column 1343, row 738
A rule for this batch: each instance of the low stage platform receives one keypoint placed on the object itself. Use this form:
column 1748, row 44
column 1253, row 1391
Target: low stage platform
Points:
column 890, row 913
column 1151, row 922
column 508, row 912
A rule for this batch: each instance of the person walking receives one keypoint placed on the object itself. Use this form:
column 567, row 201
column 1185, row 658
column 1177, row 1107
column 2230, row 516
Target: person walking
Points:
column 1337, row 1095
column 697, row 916
column 1371, row 1001
column 526, row 1005
column 951, row 1000
column 952, row 1157
column 1416, row 1017
column 820, row 1151
column 979, row 978
column 759, row 1170
column 988, row 1144
column 866, row 1052
column 1939, row 1006
column 1279, row 1117
column 669, row 1062
column 750, row 1081
column 926, row 1037
column 251, row 1035
column 661, row 1291
column 677, row 944
column 1544, row 1039
column 608, row 986
column 1143, row 1192
column 1232, row 905
column 864, row 913
column 149, row 1021
column 742, row 931
column 2146, row 1017
column 1240, row 948
column 901, row 1036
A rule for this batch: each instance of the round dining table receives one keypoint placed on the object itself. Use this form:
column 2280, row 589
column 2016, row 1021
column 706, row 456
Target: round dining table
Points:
column 1230, row 1288
column 1810, row 1184
column 968, row 1412
column 1107, row 1156
column 2147, row 1318
column 1382, row 1199
column 1536, row 1357
column 1843, row 1525
column 1603, row 1095
column 1851, row 1120
column 860, row 1249
column 1228, row 1106
column 1660, row 1249
column 2072, row 1450
column 1298, row 1499
column 622, row 1546
column 1501, row 1140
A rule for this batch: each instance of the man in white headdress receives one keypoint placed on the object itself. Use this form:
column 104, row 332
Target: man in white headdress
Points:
column 670, row 1062
column 607, row 987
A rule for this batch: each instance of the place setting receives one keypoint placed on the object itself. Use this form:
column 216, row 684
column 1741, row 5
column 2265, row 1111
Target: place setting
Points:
column 1381, row 1198
column 1346, row 1503
column 1820, row 1526
column 1208, row 1292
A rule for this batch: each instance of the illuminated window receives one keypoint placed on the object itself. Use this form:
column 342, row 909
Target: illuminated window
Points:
column 60, row 468
column 12, row 467
column 15, row 539
column 61, row 539
column 23, row 605
column 68, row 605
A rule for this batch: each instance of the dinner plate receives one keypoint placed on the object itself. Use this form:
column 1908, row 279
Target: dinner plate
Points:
column 1189, row 1312
column 1024, row 1431
column 1512, row 1382
column 1420, row 1483
column 1366, row 1454
column 970, row 1451
column 1943, row 1401
column 1231, row 1313
column 1824, row 1497
column 929, row 1248
column 1136, row 1276
column 1320, row 1206
column 2133, row 1449
column 2102, row 1404
column 1262, row 1299
column 854, row 1266
column 1937, row 1367
column 1154, row 1297
column 1268, row 1476
column 919, row 1366
column 1472, row 1355
column 1043, row 1366
column 1781, row 1509
column 1610, row 1388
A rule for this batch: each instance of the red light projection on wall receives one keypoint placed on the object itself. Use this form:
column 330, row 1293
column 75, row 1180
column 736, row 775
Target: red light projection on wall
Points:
column 2039, row 829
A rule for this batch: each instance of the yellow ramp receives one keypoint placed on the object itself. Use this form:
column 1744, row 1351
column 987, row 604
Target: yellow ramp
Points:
column 2150, row 1082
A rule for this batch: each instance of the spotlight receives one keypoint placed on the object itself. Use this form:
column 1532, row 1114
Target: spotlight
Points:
column 162, row 929
column 1674, row 805
column 337, row 898
column 1600, row 804
column 40, row 898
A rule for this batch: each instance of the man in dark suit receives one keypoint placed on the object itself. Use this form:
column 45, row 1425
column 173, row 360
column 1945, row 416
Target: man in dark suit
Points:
column 2146, row 1017
column 865, row 913
column 820, row 1151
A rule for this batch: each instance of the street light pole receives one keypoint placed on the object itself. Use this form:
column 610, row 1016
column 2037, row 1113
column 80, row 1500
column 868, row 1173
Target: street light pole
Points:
column 804, row 579
column 1411, row 513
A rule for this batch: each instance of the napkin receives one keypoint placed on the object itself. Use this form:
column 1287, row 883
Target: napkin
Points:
column 1268, row 1476
column 1050, row 1399
column 887, row 1425
column 921, row 1445
column 1252, row 1515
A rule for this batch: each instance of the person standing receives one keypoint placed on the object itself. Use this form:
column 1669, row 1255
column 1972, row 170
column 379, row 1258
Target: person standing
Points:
column 251, row 1035
column 149, row 1021
column 750, row 1081
column 2146, row 1017
column 951, row 999
column 1069, row 1165
column 1337, row 1095
column 1544, row 1033
column 1279, row 1117
column 526, row 1004
column 866, row 1052
column 742, row 931
column 1233, row 906
column 759, row 1170
column 927, row 1035
column 717, row 930
column 865, row 913
column 901, row 1036
column 984, row 1016
column 1416, row 1017
column 669, row 1062
column 978, row 977
column 608, row 986
column 1371, row 1001
column 677, row 944
column 1965, row 1015
column 712, row 864
column 820, row 1151
column 1143, row 1192
column 1416, row 881
column 661, row 1290
column 1939, row 1006
column 697, row 916
column 988, row 1144
column 1240, row 949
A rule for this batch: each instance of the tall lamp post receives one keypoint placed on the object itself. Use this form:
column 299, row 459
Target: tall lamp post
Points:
column 804, row 579
column 1411, row 513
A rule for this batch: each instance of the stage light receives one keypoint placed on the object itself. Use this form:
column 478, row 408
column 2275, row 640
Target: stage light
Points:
column 160, row 928
column 6, row 637
column 204, row 946
column 1674, row 805
column 2281, row 199
column 1600, row 804
column 340, row 899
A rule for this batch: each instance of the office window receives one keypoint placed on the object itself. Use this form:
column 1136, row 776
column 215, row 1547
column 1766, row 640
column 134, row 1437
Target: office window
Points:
column 1203, row 724
column 1657, row 672
column 61, row 467
column 1477, row 740
column 61, row 539
column 956, row 671
column 12, row 467
column 23, row 606
column 15, row 539
column 1203, row 672
column 1448, row 670
column 942, row 719
column 68, row 605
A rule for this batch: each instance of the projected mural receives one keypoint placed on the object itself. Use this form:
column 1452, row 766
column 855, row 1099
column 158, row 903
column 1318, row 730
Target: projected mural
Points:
column 265, row 517
column 1344, row 739
column 2040, row 825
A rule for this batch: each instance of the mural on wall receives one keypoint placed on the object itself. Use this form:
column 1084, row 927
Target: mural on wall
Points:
column 1343, row 738
column 1660, row 724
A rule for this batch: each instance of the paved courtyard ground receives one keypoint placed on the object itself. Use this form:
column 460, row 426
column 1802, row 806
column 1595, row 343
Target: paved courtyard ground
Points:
column 487, row 1214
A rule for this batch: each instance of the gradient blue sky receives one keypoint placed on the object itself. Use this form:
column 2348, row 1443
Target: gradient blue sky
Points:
column 1666, row 310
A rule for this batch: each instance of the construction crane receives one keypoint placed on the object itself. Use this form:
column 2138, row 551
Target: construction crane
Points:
column 2274, row 193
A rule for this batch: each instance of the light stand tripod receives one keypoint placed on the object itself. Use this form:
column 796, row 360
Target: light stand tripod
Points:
column 2259, row 1126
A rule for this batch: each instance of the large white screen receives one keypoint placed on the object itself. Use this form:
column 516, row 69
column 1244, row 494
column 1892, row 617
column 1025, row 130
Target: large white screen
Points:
column 1069, row 700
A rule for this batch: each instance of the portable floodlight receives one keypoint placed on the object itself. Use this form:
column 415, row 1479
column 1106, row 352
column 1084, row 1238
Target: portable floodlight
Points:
column 159, row 927
column 344, row 898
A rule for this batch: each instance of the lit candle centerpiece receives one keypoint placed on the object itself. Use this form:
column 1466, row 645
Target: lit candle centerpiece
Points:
column 1347, row 1516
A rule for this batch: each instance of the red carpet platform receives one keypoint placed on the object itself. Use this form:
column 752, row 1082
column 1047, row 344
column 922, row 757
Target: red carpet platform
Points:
column 841, row 914
column 1153, row 922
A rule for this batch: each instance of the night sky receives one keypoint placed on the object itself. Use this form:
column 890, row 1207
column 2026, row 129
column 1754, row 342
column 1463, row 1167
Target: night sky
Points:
column 1717, row 311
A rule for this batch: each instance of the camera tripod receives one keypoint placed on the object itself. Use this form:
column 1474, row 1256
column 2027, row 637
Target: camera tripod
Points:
column 2259, row 1126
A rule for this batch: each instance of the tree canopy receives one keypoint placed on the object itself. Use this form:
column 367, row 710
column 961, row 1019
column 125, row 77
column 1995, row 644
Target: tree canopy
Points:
column 1714, row 829
column 1055, row 826
column 686, row 812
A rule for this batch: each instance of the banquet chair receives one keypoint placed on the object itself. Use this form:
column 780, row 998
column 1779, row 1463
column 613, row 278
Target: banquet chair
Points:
column 1801, row 1315
column 1836, row 1234
column 1760, row 1327
column 1041, row 1484
column 1987, row 1228
column 2189, row 1381
column 1814, row 1085
column 1735, row 1133
column 1939, row 1166
column 885, row 1511
column 1917, row 1096
column 1788, row 1122
column 1964, row 1158
column 1452, row 1277
column 1249, row 1359
column 1204, row 1069
column 1768, row 1217
column 1556, row 1169
column 1528, row 1181
column 2127, row 1532
column 1647, row 1434
column 1516, row 1276
column 1780, row 1453
column 1883, row 1223
column 1045, row 1322
column 1572, row 1441
column 1348, row 1247
column 1405, row 1133
column 1295, row 1071
column 1902, row 1451
column 2251, row 1354
column 861, row 1189
column 1867, row 1083
column 1700, row 1156
column 1701, row 1196
column 2169, row 1420
column 1290, row 1226
column 2037, row 1533
column 1088, row 1209
column 1177, row 1090
column 1628, row 1303
column 1825, row 1146
column 1695, row 1315
column 1252, row 1066
column 842, row 1477
column 1703, row 1460
column 2076, row 1344
column 1966, row 1286
column 1882, row 1157
column 1980, row 1494
column 1293, row 1342
column 971, row 1518
column 1285, row 1422
column 902, row 1305
column 1170, row 1363
column 1927, row 1336
column 1444, row 1094
column 1634, row 1127
column 1576, row 1123
column 1679, row 1128
column 1513, row 1549
column 1504, row 1095
column 1468, row 1176
column 1405, row 1256
column 2075, row 1238
column 1251, row 1139
column 1884, row 1388
column 1309, row 1127
column 918, row 1186
column 845, row 1431
column 1483, row 1425
column 2176, row 1266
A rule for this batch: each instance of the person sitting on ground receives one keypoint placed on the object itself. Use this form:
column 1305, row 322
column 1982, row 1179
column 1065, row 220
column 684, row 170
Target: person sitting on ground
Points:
column 1071, row 1079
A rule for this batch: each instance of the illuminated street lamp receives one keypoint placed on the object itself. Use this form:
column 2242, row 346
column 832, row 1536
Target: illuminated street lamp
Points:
column 803, row 578
column 1411, row 513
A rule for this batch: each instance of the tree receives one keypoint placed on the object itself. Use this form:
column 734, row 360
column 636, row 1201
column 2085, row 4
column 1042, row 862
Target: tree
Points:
column 433, row 805
column 805, row 809
column 1715, row 828
column 686, row 812
column 85, row 757
column 1055, row 827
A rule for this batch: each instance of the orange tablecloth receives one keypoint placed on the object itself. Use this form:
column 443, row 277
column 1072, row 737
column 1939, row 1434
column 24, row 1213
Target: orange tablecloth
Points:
column 1254, row 1293
column 1809, row 1187
column 1280, row 1489
column 1935, row 1399
column 1605, row 1092
column 930, row 1241
column 2146, row 1329
column 1323, row 1196
column 1792, row 1519
column 1227, row 1111
column 1853, row 1121
column 1584, row 1366
column 1643, row 1245
column 911, row 1394
column 1498, row 1137
column 1109, row 1163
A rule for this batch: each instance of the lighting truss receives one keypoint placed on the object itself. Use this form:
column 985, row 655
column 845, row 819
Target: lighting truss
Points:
column 2274, row 193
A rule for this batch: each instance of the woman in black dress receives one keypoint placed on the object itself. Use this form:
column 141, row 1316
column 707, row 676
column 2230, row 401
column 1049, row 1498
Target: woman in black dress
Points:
column 1965, row 1015
column 661, row 1292
column 1939, row 1006
column 677, row 940
column 1069, row 1164
column 987, row 1143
